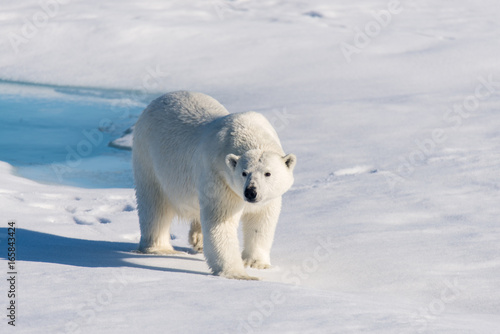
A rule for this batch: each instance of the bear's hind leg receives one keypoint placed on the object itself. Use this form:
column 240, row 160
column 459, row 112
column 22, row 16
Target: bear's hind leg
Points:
column 155, row 217
column 155, row 236
column 196, row 236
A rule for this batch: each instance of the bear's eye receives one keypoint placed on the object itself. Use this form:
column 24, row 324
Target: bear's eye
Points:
column 267, row 174
column 244, row 174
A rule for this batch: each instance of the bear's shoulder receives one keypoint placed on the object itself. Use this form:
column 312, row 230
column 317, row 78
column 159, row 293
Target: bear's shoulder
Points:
column 248, row 119
column 248, row 130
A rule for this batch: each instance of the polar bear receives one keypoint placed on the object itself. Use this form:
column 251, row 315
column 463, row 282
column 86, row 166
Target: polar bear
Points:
column 194, row 160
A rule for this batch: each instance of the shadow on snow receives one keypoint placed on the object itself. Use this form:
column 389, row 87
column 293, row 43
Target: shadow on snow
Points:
column 49, row 248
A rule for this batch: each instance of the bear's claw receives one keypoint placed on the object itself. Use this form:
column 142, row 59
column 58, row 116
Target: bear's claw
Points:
column 256, row 264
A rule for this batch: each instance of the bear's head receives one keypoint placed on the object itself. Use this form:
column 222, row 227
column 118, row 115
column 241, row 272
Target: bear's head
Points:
column 258, row 176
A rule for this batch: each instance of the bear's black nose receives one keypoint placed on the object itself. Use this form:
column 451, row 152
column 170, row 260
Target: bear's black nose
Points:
column 250, row 194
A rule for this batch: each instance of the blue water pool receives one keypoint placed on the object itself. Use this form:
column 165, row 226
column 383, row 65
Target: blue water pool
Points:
column 61, row 134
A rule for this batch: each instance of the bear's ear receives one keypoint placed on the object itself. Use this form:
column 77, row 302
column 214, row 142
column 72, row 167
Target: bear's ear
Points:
column 290, row 160
column 231, row 161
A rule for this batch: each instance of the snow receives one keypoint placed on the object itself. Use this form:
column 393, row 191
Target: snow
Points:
column 391, row 225
column 125, row 141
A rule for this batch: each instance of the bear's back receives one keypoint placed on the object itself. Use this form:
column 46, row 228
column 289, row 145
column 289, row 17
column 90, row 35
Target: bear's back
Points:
column 189, row 108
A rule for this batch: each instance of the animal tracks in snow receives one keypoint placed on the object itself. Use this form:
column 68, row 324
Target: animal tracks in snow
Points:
column 105, row 213
column 86, row 207
column 355, row 171
column 338, row 175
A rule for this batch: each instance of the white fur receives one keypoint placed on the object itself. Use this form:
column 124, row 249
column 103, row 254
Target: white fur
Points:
column 189, row 155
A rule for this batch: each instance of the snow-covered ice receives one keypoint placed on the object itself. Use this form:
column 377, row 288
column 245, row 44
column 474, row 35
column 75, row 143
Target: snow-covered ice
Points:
column 125, row 141
column 391, row 108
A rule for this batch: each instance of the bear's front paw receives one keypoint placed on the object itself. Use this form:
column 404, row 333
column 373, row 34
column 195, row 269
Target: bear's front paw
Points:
column 235, row 274
column 159, row 251
column 241, row 276
column 252, row 263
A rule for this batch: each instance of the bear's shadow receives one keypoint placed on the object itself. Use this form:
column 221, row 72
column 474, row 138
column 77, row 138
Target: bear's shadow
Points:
column 49, row 248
